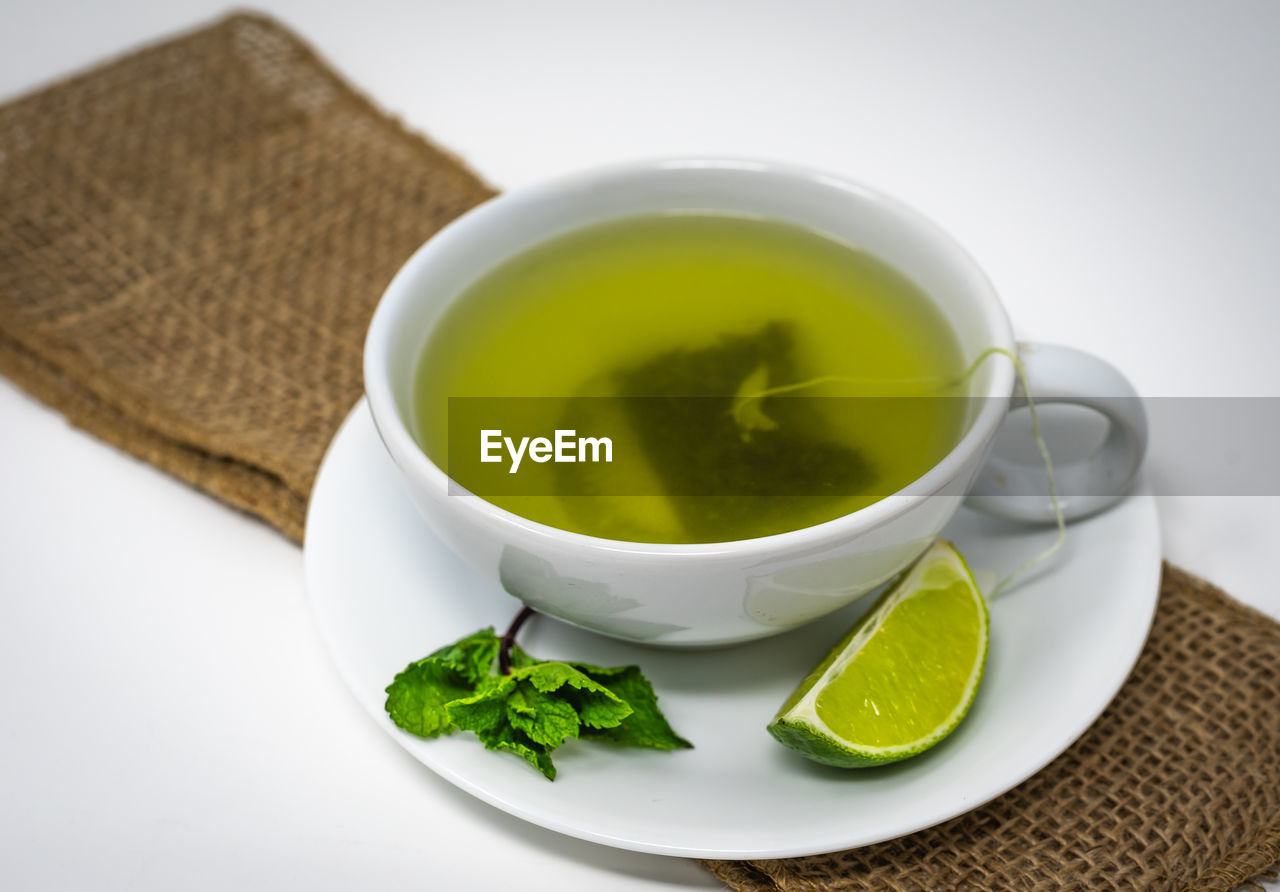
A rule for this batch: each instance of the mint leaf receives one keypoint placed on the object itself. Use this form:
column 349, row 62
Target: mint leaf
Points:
column 535, row 709
column 594, row 705
column 646, row 726
column 471, row 657
column 596, row 708
column 543, row 717
column 486, row 708
column 510, row 740
column 416, row 698
column 487, row 713
column 532, row 710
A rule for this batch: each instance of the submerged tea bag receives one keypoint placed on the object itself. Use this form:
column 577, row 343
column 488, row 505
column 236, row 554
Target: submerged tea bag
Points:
column 718, row 448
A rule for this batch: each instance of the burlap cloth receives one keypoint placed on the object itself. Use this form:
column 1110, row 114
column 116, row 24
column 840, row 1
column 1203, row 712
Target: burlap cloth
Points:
column 192, row 239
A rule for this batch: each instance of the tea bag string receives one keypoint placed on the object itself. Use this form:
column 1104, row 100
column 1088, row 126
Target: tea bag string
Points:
column 744, row 402
column 1035, row 561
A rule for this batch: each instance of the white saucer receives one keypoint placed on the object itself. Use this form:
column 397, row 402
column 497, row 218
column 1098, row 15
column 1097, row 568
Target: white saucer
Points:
column 385, row 592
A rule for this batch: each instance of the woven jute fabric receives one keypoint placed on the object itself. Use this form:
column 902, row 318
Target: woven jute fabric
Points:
column 192, row 239
column 1175, row 787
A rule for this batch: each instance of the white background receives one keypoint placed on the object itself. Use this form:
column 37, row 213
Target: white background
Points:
column 168, row 718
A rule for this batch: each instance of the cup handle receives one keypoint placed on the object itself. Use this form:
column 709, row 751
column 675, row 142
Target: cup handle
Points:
column 1059, row 374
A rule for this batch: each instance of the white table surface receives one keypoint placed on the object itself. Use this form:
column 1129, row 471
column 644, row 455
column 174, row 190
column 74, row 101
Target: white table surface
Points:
column 169, row 717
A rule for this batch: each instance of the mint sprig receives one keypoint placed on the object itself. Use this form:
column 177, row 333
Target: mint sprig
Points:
column 646, row 726
column 515, row 703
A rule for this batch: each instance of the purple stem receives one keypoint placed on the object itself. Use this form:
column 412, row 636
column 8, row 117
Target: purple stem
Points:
column 509, row 638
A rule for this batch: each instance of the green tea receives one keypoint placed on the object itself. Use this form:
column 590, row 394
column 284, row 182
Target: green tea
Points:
column 749, row 375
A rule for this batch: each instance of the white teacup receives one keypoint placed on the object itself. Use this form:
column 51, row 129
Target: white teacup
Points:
column 729, row 592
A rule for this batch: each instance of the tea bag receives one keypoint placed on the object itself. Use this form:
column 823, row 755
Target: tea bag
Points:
column 717, row 450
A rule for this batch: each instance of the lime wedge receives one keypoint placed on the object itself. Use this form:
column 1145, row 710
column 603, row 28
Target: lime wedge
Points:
column 902, row 678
